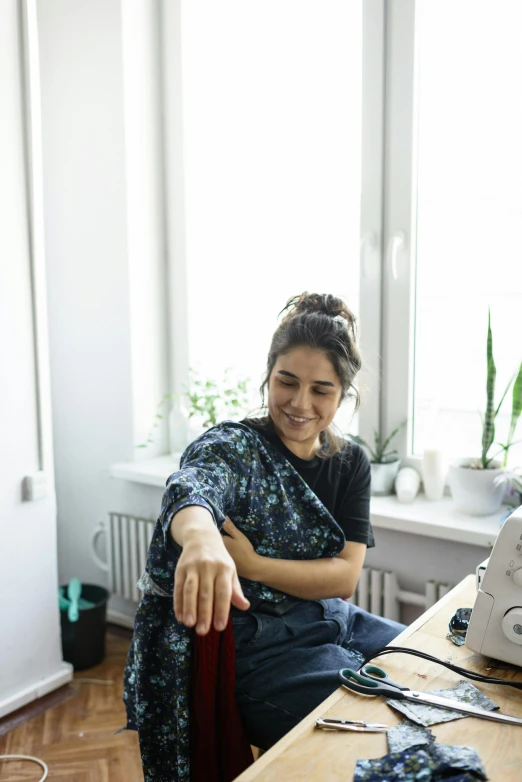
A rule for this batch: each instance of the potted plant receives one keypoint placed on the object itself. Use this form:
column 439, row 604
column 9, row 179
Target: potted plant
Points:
column 473, row 482
column 384, row 462
column 204, row 403
column 208, row 401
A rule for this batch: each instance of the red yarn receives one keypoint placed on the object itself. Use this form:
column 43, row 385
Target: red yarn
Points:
column 219, row 749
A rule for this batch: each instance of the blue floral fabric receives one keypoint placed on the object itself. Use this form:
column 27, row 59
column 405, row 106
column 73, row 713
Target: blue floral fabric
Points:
column 232, row 471
column 425, row 714
column 414, row 755
column 436, row 763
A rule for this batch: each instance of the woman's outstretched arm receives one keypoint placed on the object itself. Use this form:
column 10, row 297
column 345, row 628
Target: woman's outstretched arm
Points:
column 205, row 582
column 311, row 579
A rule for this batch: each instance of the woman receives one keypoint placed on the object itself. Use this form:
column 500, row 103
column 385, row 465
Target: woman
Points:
column 292, row 500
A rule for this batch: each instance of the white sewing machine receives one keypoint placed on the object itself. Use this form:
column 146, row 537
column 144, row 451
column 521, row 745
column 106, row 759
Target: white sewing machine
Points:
column 495, row 628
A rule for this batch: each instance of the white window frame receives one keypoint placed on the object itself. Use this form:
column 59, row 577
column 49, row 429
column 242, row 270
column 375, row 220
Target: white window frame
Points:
column 372, row 216
column 399, row 232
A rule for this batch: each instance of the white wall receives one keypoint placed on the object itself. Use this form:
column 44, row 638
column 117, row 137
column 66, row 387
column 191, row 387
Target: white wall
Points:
column 102, row 189
column 30, row 650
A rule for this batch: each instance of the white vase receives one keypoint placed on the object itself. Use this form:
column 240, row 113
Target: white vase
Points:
column 383, row 477
column 474, row 491
column 434, row 471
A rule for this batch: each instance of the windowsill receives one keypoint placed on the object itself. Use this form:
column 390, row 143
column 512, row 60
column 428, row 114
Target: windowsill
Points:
column 153, row 472
column 435, row 520
column 421, row 517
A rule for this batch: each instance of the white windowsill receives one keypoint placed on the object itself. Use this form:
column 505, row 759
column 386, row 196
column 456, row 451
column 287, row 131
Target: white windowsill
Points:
column 435, row 520
column 421, row 517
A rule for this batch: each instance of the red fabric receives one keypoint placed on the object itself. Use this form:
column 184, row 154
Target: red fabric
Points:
column 219, row 749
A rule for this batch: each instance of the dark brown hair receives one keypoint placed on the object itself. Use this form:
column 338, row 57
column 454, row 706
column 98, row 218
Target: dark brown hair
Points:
column 322, row 322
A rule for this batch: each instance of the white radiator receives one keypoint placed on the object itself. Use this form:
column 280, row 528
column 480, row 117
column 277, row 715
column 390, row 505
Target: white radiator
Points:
column 378, row 592
column 128, row 538
column 127, row 543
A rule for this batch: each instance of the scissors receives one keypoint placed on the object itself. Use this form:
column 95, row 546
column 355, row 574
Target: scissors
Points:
column 372, row 680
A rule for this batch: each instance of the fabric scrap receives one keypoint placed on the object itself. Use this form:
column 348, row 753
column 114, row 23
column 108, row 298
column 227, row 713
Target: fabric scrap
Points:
column 458, row 626
column 451, row 758
column 425, row 714
column 433, row 763
column 407, row 734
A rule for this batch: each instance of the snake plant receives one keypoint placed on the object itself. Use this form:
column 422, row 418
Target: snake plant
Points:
column 488, row 423
column 379, row 453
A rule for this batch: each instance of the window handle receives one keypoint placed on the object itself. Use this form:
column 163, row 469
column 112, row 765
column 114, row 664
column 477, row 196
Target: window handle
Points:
column 395, row 243
column 367, row 244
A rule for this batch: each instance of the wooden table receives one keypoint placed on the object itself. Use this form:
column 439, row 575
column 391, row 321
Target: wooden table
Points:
column 320, row 756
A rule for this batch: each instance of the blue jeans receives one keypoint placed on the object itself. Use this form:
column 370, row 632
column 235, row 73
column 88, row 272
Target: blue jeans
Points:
column 287, row 665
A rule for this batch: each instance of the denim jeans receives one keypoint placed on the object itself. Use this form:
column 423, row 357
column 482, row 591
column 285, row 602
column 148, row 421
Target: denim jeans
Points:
column 287, row 665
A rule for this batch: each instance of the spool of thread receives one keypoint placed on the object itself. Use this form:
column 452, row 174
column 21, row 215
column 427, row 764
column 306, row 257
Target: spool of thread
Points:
column 407, row 484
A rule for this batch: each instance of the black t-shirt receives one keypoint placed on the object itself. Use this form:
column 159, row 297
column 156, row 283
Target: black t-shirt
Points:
column 342, row 483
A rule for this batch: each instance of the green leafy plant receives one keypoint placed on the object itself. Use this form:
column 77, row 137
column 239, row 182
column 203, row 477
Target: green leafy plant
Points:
column 488, row 420
column 206, row 399
column 379, row 453
column 214, row 401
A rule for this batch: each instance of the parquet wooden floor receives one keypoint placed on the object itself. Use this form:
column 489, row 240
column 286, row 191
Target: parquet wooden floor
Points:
column 76, row 738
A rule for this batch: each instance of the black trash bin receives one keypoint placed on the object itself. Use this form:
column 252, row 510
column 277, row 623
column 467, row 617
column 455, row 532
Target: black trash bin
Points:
column 83, row 642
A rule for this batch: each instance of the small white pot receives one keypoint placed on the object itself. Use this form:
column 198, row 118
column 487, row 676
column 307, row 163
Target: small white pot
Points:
column 473, row 491
column 383, row 477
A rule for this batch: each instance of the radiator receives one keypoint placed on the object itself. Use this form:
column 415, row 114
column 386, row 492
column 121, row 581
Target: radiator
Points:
column 378, row 591
column 127, row 542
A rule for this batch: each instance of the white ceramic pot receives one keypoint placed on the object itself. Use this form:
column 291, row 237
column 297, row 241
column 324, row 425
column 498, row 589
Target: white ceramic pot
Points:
column 473, row 491
column 383, row 477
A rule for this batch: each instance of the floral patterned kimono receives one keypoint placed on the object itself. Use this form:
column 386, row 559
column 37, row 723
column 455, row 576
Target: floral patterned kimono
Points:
column 232, row 471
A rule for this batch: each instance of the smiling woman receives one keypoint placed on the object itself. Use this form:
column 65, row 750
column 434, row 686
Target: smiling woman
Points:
column 262, row 531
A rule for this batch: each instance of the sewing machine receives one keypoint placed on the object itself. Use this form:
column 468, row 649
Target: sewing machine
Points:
column 495, row 628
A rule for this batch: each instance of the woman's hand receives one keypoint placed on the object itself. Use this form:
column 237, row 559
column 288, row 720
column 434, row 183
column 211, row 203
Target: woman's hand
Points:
column 206, row 580
column 241, row 550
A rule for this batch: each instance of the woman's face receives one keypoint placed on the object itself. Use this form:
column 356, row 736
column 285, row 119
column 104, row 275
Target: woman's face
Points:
column 304, row 393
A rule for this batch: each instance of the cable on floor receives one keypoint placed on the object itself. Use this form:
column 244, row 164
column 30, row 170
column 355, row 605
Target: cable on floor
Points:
column 33, row 760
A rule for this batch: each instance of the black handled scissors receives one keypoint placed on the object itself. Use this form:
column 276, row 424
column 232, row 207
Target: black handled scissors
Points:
column 372, row 680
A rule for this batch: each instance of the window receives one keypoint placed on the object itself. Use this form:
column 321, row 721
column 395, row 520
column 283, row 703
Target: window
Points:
column 271, row 108
column 368, row 149
column 454, row 85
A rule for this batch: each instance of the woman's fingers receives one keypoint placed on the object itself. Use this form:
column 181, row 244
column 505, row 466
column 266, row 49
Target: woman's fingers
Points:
column 205, row 584
column 205, row 603
column 179, row 583
column 222, row 596
column 190, row 598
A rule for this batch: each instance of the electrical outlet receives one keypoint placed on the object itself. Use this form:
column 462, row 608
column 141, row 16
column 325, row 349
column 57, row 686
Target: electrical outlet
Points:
column 34, row 487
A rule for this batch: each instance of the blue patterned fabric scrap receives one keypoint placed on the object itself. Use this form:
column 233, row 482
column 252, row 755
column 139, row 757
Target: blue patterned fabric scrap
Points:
column 406, row 734
column 435, row 764
column 424, row 714
column 414, row 756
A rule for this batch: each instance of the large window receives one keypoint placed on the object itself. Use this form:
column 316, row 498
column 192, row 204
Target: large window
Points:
column 371, row 150
column 461, row 216
column 271, row 107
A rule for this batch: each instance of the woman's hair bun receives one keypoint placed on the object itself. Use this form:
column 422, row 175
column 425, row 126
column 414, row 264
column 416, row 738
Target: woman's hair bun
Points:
column 323, row 303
